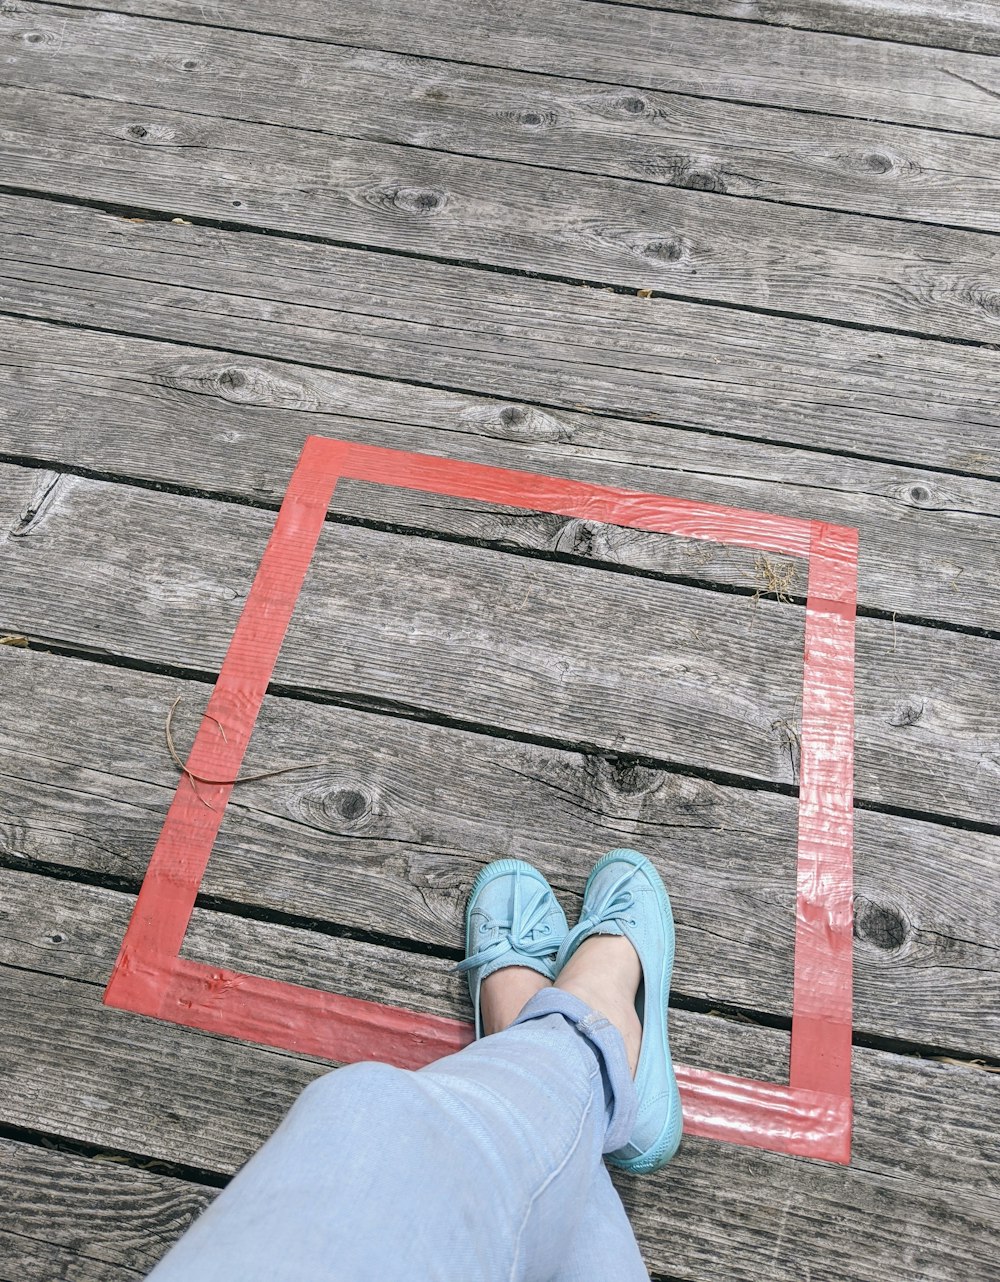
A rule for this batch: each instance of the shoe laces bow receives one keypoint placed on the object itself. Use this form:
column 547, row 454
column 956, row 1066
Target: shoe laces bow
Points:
column 527, row 932
column 612, row 906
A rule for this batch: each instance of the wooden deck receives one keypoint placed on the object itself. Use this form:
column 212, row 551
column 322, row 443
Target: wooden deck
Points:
column 228, row 226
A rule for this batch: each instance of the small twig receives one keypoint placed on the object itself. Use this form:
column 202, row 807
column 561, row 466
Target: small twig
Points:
column 966, row 1063
column 222, row 728
column 194, row 778
column 772, row 578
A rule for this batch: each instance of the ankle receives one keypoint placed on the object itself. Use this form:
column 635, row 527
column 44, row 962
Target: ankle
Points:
column 605, row 973
column 505, row 993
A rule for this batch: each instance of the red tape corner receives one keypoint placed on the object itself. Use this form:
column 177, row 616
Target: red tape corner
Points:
column 811, row 1114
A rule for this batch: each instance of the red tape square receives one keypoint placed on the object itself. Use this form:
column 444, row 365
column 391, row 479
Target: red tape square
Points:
column 811, row 1115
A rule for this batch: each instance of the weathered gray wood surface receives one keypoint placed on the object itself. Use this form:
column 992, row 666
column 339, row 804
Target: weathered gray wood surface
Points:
column 972, row 25
column 86, row 1219
column 602, row 231
column 679, row 52
column 660, row 138
column 387, row 834
column 622, row 145
column 921, row 1193
column 215, row 423
column 901, row 399
column 708, row 680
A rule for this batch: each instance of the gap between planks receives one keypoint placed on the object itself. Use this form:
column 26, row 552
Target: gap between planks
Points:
column 673, row 52
column 896, row 172
column 379, row 315
column 918, row 1190
column 971, row 26
column 387, row 824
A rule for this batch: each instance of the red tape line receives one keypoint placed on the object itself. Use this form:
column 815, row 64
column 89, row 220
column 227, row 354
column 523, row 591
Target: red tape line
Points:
column 811, row 1114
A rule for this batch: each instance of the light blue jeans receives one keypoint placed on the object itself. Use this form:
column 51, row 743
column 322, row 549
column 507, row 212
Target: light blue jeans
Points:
column 484, row 1166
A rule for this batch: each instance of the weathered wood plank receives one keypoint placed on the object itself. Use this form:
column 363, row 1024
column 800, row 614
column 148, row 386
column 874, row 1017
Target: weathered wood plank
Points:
column 970, row 25
column 677, row 52
column 602, row 231
column 918, row 1196
column 76, row 931
column 901, row 399
column 233, row 426
column 661, row 138
column 388, row 825
column 708, row 679
column 86, row 1219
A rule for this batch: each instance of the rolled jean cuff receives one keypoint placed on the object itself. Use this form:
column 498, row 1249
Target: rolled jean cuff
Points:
column 610, row 1049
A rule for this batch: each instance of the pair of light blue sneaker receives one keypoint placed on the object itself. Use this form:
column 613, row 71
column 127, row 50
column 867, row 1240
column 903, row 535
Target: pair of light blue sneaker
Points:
column 514, row 919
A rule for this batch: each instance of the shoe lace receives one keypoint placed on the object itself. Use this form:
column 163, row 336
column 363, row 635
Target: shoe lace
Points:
column 527, row 931
column 612, row 906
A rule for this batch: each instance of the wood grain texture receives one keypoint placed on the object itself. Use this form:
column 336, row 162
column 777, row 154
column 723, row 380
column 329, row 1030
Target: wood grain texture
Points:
column 234, row 426
column 608, row 144
column 921, row 1191
column 677, row 52
column 386, row 834
column 86, row 1219
column 709, row 680
column 900, row 399
column 157, row 117
column 601, row 231
column 969, row 25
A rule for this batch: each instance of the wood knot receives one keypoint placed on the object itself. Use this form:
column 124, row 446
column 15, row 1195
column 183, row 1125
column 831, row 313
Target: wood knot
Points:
column 698, row 175
column 530, row 119
column 514, row 415
column 907, row 712
column 50, row 488
column 517, row 423
column 436, row 95
column 987, row 300
column 631, row 104
column 580, row 535
column 411, row 200
column 576, row 538
column 627, row 777
column 876, row 162
column 150, row 135
column 350, row 804
column 343, row 807
column 703, row 180
column 242, row 384
column 189, row 64
column 933, row 498
column 623, row 777
column 232, row 379
column 666, row 251
column 881, row 925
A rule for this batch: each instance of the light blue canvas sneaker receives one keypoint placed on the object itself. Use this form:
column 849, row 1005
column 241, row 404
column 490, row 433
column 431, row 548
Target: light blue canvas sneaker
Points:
column 512, row 919
column 625, row 896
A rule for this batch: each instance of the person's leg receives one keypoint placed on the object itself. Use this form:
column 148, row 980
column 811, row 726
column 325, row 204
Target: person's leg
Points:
column 607, row 1249
column 605, row 972
column 480, row 1166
